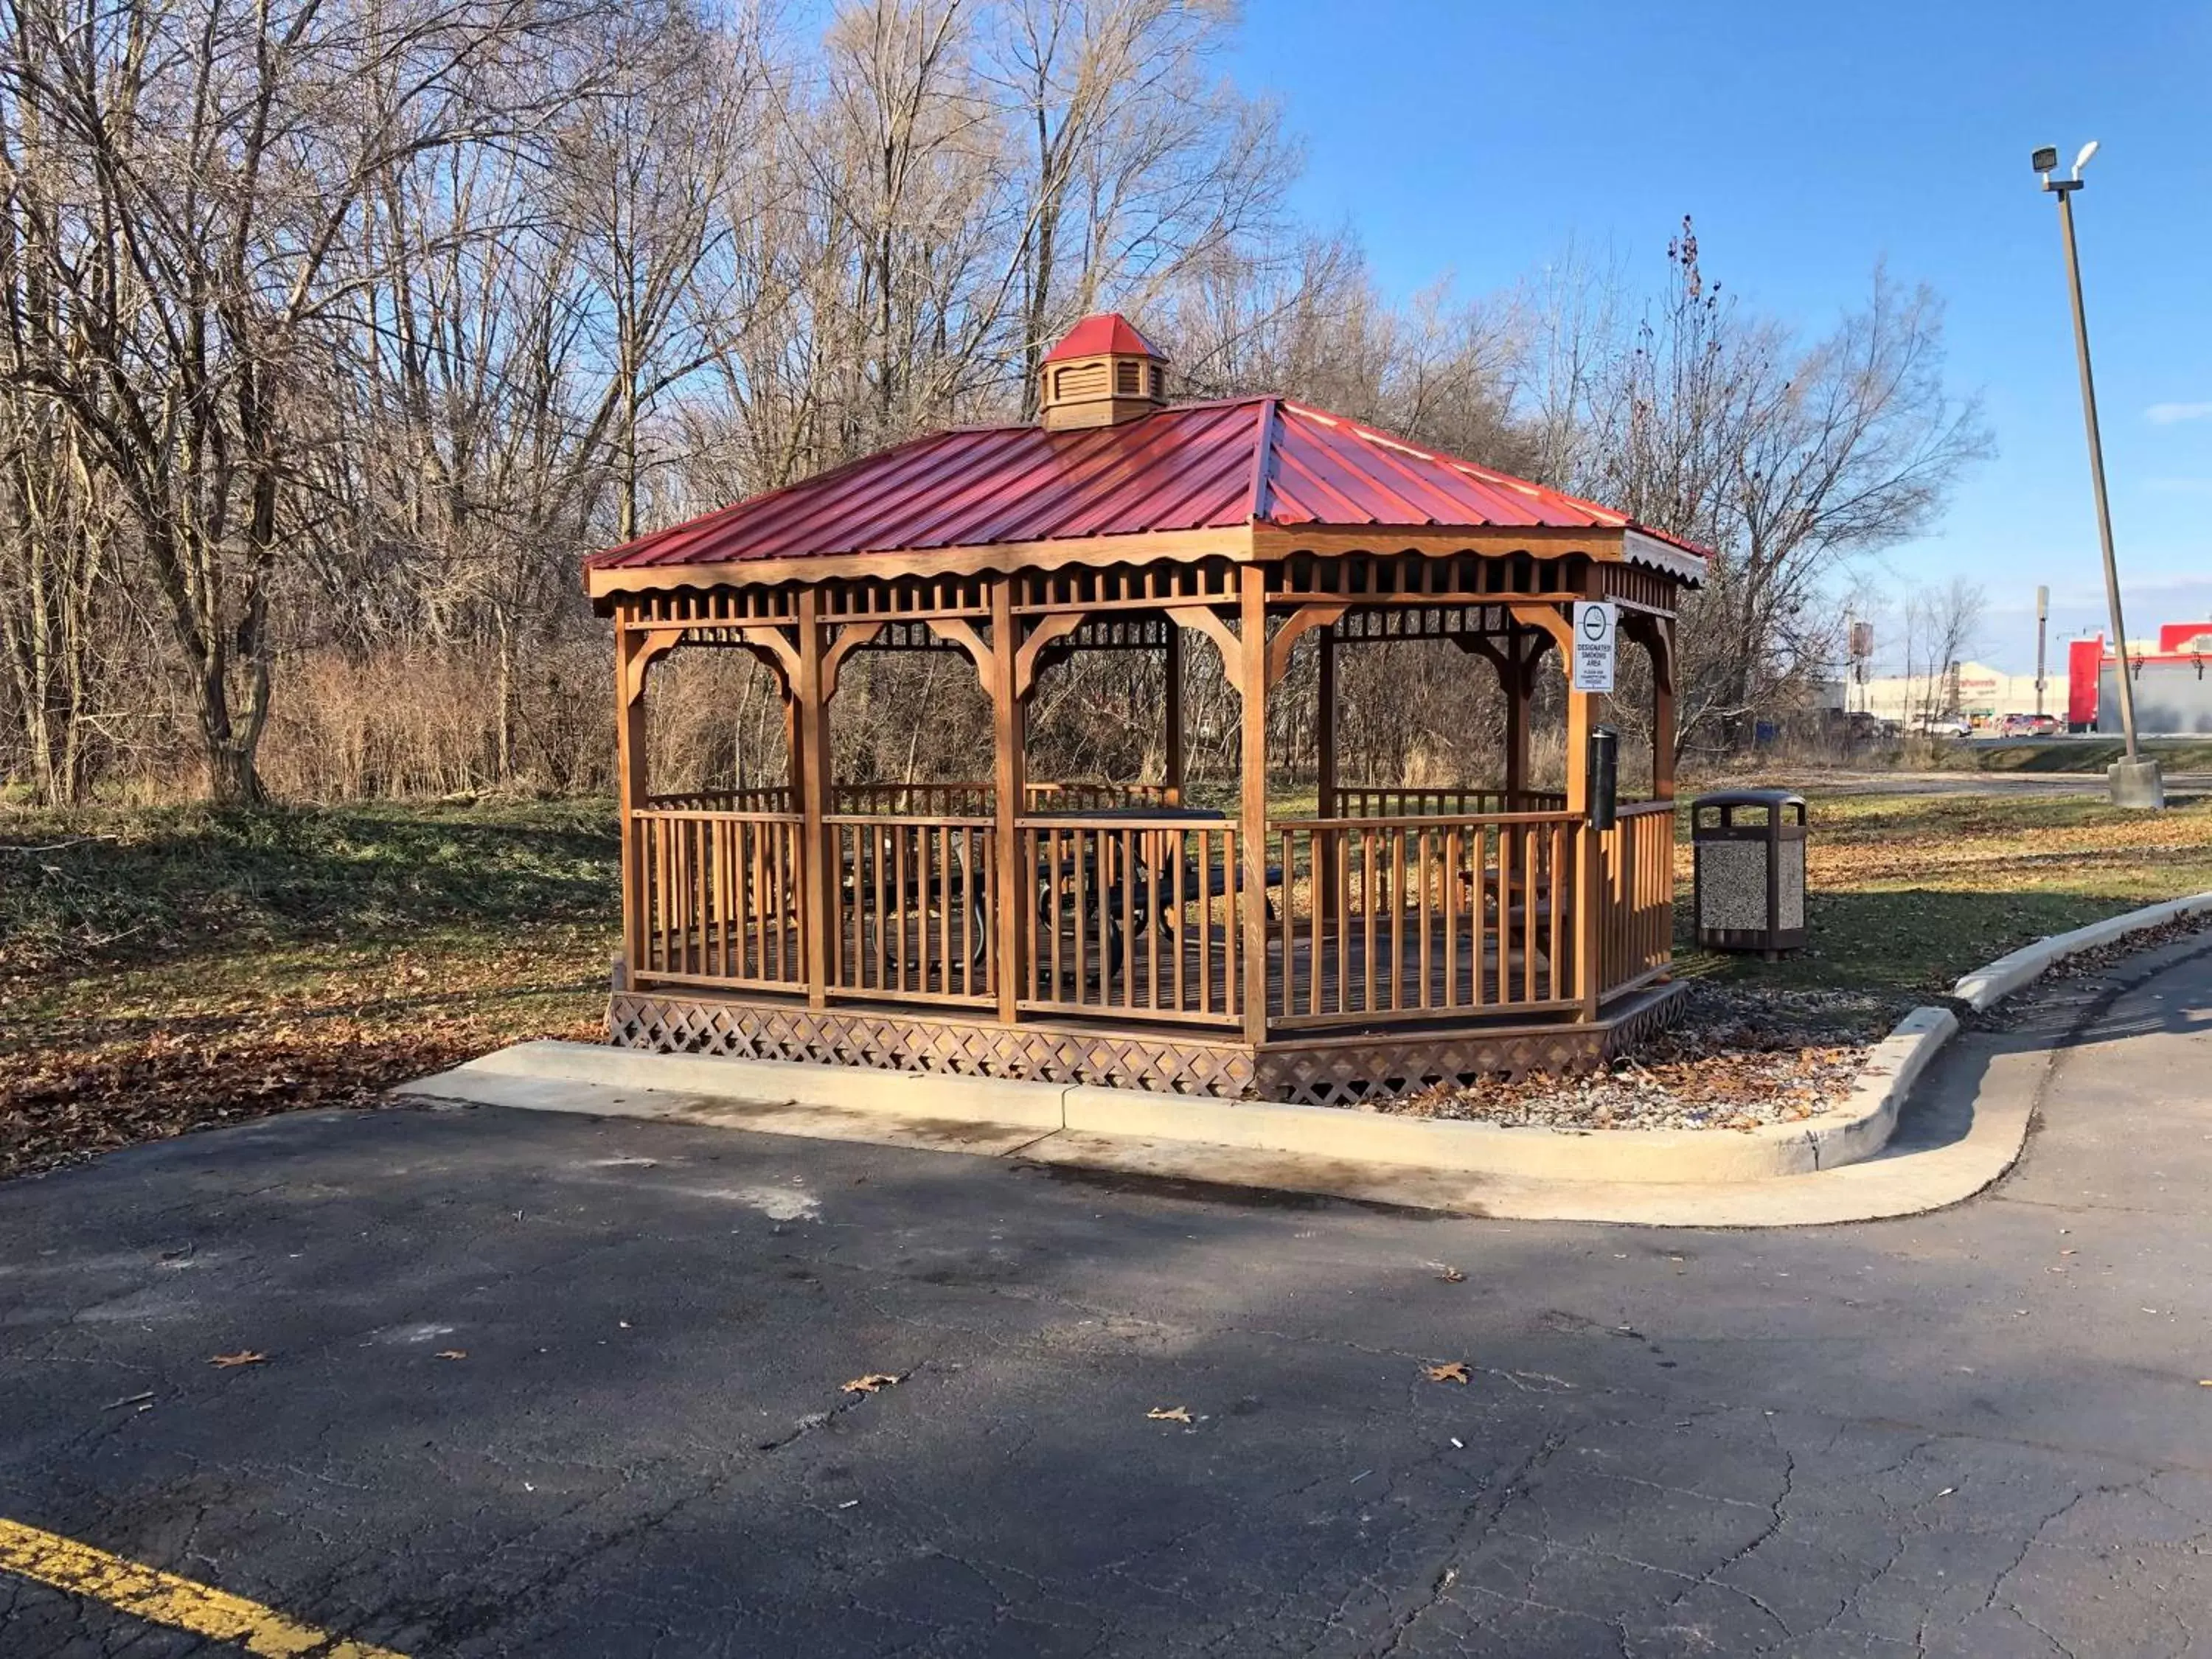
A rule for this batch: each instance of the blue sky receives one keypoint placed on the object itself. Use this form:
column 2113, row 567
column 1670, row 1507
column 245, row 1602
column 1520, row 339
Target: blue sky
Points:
column 1475, row 140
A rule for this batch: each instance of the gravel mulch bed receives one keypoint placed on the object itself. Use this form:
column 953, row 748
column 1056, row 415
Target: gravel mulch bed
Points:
column 1739, row 1057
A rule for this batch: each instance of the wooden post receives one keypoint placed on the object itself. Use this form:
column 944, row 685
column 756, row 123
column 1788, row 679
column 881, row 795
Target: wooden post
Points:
column 822, row 874
column 1663, row 710
column 1325, row 726
column 629, row 785
column 1009, row 785
column 795, row 772
column 1252, row 795
column 1325, row 844
column 1517, row 675
column 1582, row 710
column 1174, row 739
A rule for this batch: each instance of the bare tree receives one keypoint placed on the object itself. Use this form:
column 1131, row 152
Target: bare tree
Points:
column 199, row 194
column 1789, row 459
column 1940, row 626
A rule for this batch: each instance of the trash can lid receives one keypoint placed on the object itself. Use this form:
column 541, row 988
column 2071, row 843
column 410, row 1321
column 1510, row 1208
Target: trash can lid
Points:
column 1749, row 798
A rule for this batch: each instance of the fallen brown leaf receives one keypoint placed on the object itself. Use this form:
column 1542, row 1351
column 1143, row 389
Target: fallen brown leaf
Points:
column 453, row 1353
column 1452, row 1276
column 243, row 1356
column 1169, row 1414
column 1451, row 1371
column 870, row 1383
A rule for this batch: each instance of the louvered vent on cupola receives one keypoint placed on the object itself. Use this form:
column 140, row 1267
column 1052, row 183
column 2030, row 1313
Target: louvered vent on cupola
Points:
column 1103, row 373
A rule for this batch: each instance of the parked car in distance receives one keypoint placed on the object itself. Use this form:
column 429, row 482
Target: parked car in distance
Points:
column 1866, row 727
column 2029, row 725
column 1946, row 726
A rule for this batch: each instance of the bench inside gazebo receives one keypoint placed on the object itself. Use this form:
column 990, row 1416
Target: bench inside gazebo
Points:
column 1119, row 934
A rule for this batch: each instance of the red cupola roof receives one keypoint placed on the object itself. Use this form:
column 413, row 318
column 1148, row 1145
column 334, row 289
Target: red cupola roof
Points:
column 1094, row 336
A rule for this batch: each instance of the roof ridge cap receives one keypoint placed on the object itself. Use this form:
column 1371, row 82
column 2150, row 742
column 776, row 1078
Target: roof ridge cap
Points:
column 1267, row 428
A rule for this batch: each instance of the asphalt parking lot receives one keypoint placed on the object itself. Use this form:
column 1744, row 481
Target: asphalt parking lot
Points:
column 536, row 1384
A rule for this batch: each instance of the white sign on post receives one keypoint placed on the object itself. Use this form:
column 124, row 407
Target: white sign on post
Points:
column 1594, row 645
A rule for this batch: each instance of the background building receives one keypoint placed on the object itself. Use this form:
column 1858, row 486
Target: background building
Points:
column 2173, row 698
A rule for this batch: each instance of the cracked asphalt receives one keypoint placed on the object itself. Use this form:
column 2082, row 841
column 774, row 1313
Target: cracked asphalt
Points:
column 1980, row 1431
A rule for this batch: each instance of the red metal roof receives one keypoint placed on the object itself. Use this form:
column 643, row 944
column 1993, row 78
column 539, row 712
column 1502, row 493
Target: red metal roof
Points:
column 1106, row 331
column 1252, row 460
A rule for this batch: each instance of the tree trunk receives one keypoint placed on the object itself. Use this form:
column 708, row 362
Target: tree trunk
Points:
column 231, row 780
column 504, row 768
column 232, row 745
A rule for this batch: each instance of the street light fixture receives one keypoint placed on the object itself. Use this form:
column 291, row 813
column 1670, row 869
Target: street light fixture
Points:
column 2133, row 781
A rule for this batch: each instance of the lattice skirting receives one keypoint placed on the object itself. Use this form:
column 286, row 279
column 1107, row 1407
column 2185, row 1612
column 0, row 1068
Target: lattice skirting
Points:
column 1333, row 1072
column 893, row 1041
column 1345, row 1070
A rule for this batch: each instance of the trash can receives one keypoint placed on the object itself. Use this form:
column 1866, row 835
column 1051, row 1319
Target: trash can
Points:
column 1747, row 848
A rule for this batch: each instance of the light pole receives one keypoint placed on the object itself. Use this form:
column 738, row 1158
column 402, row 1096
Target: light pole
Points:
column 2134, row 782
column 2042, row 629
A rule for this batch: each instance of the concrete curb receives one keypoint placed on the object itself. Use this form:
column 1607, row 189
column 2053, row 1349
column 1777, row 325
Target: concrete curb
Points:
column 932, row 1095
column 1658, row 1156
column 1991, row 984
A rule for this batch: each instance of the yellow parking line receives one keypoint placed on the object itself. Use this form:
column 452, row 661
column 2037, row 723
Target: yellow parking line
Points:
column 165, row 1598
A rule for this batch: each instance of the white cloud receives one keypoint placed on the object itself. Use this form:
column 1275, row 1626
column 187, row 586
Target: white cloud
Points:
column 2169, row 414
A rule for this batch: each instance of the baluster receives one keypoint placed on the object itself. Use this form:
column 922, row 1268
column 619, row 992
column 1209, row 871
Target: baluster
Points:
column 1398, row 963
column 1320, row 843
column 1232, row 990
column 1563, row 882
column 1156, row 849
column 658, row 945
column 1508, row 836
column 1454, row 838
column 753, row 947
column 1188, row 850
column 1051, row 917
column 1340, row 855
column 1370, row 905
column 1086, row 874
column 1421, row 865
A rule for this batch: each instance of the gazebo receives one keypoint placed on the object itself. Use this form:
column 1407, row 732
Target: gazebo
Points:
column 1117, row 934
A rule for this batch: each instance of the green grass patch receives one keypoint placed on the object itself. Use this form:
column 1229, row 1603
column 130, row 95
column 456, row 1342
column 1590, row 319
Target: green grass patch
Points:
column 2072, row 754
column 106, row 888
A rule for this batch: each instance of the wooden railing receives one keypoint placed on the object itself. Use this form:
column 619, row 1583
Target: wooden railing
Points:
column 935, row 800
column 1385, row 919
column 1635, row 895
column 720, row 898
column 913, row 909
column 1393, row 801
column 1413, row 917
column 920, row 800
column 773, row 797
column 1136, row 917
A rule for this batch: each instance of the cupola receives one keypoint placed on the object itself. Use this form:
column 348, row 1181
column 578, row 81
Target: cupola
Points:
column 1103, row 373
